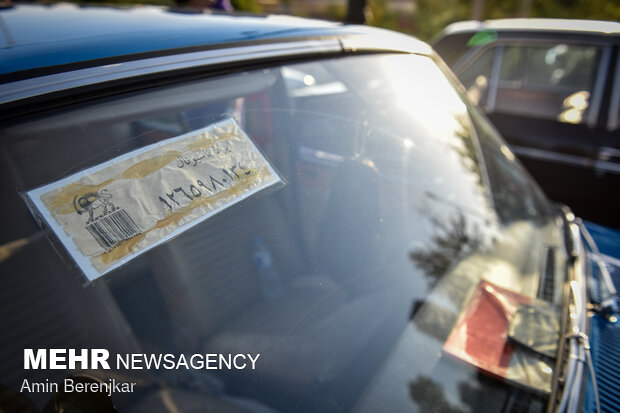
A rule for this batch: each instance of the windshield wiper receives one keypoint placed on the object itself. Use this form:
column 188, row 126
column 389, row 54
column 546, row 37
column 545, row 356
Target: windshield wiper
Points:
column 608, row 298
column 571, row 361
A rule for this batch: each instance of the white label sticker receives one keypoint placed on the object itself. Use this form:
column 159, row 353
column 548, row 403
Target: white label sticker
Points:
column 110, row 213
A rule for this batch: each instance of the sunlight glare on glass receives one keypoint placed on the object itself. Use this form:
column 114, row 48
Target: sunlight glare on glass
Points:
column 309, row 80
column 507, row 153
column 420, row 87
column 577, row 100
column 544, row 367
column 574, row 105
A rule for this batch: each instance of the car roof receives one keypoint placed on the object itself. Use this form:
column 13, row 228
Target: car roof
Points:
column 43, row 36
column 536, row 25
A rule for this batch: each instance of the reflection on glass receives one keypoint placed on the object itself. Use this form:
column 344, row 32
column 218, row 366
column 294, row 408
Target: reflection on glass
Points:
column 478, row 89
column 430, row 397
column 547, row 81
column 387, row 203
column 574, row 107
column 452, row 242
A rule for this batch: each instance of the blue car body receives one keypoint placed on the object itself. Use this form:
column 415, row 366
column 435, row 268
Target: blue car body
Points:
column 605, row 332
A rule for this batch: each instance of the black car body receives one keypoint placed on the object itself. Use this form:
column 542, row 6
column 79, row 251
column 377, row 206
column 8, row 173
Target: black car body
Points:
column 552, row 88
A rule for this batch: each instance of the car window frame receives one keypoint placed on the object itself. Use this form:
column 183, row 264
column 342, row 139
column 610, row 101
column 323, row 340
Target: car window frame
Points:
column 22, row 90
column 528, row 39
column 613, row 119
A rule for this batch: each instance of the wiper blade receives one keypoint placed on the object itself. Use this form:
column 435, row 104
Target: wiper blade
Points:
column 576, row 337
column 609, row 299
column 578, row 353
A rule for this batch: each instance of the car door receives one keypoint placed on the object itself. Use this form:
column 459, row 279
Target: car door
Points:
column 607, row 162
column 544, row 95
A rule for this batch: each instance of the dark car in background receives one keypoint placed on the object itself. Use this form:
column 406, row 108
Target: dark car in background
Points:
column 552, row 88
column 278, row 214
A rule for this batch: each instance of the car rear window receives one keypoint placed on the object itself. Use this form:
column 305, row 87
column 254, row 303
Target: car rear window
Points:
column 552, row 80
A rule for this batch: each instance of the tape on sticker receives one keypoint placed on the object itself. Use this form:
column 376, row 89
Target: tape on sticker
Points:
column 109, row 214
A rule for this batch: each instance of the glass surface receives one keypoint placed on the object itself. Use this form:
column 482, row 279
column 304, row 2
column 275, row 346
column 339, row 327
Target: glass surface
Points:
column 549, row 82
column 476, row 76
column 399, row 200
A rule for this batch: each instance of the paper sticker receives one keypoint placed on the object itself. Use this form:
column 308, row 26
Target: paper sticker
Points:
column 110, row 213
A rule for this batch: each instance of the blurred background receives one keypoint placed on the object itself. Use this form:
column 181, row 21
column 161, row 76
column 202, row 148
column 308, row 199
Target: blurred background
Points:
column 422, row 18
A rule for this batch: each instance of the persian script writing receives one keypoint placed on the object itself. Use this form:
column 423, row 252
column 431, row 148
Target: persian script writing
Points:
column 197, row 188
column 110, row 213
column 195, row 158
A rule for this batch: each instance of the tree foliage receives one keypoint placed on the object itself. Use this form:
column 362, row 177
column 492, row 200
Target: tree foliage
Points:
column 247, row 5
column 431, row 16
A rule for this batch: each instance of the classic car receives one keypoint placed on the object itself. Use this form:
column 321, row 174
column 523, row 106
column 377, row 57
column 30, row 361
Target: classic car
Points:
column 266, row 213
column 552, row 89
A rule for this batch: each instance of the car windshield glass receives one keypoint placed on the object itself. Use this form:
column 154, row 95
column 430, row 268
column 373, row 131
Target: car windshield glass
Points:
column 396, row 256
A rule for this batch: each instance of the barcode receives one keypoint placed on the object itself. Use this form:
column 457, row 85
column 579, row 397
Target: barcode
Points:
column 113, row 228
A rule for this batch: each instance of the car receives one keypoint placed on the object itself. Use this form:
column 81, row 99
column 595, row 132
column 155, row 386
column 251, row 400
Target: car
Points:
column 552, row 89
column 266, row 213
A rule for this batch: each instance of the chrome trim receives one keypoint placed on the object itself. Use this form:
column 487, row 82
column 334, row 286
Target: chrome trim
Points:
column 573, row 372
column 533, row 25
column 82, row 77
column 494, row 81
column 608, row 259
column 599, row 165
column 614, row 106
column 551, row 39
column 599, row 87
column 577, row 351
column 469, row 56
column 385, row 41
column 606, row 153
column 544, row 155
column 609, row 298
column 607, row 167
column 608, row 160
